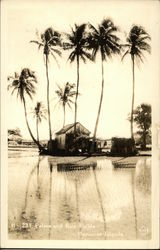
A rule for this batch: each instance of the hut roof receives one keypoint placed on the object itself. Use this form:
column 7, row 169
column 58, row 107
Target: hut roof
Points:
column 68, row 127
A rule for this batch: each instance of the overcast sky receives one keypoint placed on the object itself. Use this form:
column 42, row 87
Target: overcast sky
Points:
column 21, row 19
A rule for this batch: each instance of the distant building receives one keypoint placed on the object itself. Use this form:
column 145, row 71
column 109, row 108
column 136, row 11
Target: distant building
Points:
column 68, row 129
column 28, row 142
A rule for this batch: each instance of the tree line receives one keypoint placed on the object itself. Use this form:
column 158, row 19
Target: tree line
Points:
column 84, row 42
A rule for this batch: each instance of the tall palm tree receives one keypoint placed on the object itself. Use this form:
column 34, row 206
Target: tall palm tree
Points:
column 103, row 40
column 49, row 40
column 65, row 96
column 136, row 45
column 77, row 43
column 39, row 113
column 24, row 85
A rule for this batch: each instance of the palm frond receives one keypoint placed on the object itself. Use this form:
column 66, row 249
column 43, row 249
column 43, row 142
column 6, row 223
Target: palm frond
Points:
column 93, row 29
column 83, row 58
column 72, row 56
column 69, row 100
column 13, row 90
column 37, row 42
column 72, row 93
column 87, row 55
column 126, row 53
column 94, row 52
column 55, row 59
column 69, row 105
column 140, row 56
column 67, row 46
column 56, row 51
column 104, row 39
column 29, row 93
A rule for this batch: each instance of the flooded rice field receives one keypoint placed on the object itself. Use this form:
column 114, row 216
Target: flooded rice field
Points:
column 98, row 201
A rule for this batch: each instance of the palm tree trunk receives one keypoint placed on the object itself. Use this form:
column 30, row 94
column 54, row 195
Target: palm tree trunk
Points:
column 64, row 114
column 132, row 107
column 37, row 130
column 75, row 116
column 99, row 109
column 49, row 117
column 25, row 112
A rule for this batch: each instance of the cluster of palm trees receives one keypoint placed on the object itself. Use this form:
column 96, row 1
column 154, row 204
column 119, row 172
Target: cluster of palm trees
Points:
column 84, row 41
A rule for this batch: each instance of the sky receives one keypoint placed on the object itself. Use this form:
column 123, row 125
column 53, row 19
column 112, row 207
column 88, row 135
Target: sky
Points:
column 21, row 20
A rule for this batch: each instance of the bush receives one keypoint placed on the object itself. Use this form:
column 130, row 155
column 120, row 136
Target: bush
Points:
column 78, row 144
column 123, row 147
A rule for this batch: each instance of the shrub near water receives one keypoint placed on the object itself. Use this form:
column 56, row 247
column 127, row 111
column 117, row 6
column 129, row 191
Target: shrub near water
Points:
column 122, row 147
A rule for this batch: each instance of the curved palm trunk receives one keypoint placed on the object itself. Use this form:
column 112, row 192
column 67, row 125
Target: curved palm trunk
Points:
column 25, row 112
column 132, row 106
column 64, row 115
column 37, row 129
column 49, row 117
column 75, row 116
column 99, row 109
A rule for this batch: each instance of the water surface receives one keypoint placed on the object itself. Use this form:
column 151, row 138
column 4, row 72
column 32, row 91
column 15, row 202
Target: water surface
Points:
column 95, row 203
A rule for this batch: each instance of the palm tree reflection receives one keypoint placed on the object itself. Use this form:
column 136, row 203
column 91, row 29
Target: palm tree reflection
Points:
column 77, row 207
column 38, row 193
column 50, row 200
column 134, row 202
column 77, row 177
column 26, row 222
column 101, row 203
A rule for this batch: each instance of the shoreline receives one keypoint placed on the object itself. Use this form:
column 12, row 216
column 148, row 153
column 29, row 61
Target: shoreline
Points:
column 119, row 161
column 79, row 160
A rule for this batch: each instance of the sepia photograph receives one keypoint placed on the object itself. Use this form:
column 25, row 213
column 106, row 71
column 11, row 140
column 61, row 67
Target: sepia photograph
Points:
column 80, row 117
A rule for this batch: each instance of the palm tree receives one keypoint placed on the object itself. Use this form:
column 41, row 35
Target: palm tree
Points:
column 136, row 44
column 49, row 40
column 23, row 84
column 104, row 40
column 39, row 113
column 76, row 41
column 65, row 96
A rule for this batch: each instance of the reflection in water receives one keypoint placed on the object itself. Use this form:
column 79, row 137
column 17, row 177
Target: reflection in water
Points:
column 50, row 199
column 93, row 203
column 38, row 192
column 26, row 221
column 143, row 175
column 134, row 202
column 101, row 203
column 77, row 208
